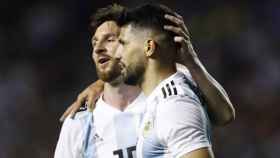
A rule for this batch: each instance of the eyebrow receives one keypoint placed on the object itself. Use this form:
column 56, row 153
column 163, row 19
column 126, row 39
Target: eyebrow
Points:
column 110, row 35
column 107, row 35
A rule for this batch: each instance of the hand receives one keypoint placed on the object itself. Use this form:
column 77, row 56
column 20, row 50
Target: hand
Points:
column 88, row 97
column 186, row 53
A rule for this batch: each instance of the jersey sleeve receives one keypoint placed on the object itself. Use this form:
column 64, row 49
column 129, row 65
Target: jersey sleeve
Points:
column 67, row 139
column 182, row 126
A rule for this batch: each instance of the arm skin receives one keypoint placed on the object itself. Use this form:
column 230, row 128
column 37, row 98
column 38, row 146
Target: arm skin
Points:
column 200, row 153
column 88, row 96
column 220, row 108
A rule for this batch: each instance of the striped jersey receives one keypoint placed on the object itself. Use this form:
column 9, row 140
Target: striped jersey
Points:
column 113, row 135
column 175, row 122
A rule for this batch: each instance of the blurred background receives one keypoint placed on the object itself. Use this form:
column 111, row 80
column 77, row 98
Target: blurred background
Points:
column 45, row 62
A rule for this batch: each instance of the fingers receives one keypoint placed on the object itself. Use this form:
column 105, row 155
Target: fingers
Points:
column 178, row 16
column 66, row 113
column 185, row 44
column 92, row 98
column 91, row 106
column 176, row 30
column 98, row 85
column 89, row 95
column 72, row 109
column 178, row 21
column 94, row 92
column 91, row 102
column 174, row 19
column 77, row 104
column 181, row 40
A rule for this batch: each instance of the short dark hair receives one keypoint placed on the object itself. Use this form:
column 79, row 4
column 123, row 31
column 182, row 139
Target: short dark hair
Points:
column 109, row 13
column 151, row 16
column 148, row 16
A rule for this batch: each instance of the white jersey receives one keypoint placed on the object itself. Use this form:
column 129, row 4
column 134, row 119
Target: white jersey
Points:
column 115, row 132
column 175, row 122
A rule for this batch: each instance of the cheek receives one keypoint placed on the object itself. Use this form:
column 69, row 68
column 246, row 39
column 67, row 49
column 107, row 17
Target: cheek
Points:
column 135, row 54
column 134, row 61
column 112, row 48
column 127, row 56
column 94, row 58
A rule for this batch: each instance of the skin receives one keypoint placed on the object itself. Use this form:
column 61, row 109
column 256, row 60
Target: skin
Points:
column 105, row 42
column 207, row 83
column 220, row 108
column 115, row 92
column 216, row 97
column 139, row 56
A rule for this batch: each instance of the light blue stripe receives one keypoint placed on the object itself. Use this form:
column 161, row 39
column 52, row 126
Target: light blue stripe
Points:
column 88, row 137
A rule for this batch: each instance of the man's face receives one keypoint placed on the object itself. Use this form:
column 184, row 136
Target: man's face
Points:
column 105, row 42
column 131, row 54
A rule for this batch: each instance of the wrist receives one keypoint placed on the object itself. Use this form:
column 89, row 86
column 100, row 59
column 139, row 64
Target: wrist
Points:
column 194, row 64
column 191, row 61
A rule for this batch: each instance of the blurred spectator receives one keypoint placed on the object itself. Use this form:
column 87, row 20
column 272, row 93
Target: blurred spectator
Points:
column 45, row 61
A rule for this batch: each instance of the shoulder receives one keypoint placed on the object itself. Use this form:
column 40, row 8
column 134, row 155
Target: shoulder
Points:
column 77, row 122
column 181, row 88
column 80, row 116
column 183, row 115
column 181, row 112
column 180, row 105
column 70, row 136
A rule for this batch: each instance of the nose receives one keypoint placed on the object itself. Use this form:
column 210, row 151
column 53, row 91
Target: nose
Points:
column 99, row 48
column 118, row 52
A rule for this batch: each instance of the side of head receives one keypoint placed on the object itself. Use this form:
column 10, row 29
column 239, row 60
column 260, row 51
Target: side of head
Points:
column 105, row 32
column 143, row 39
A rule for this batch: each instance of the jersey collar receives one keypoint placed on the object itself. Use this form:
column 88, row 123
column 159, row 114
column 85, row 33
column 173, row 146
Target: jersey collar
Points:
column 158, row 93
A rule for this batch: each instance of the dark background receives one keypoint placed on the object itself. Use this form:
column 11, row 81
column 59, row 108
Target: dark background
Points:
column 45, row 61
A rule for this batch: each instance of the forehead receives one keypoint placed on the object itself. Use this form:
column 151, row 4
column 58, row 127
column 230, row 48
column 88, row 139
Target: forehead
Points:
column 132, row 32
column 125, row 31
column 108, row 27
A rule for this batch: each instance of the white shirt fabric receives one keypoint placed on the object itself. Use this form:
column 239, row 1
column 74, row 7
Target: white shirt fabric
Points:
column 175, row 122
column 115, row 131
column 179, row 129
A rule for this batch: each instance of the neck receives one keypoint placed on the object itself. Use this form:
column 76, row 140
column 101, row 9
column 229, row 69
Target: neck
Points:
column 154, row 74
column 120, row 96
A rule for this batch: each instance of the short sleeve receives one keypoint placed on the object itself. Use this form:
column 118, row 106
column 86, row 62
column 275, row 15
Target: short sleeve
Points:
column 182, row 125
column 67, row 139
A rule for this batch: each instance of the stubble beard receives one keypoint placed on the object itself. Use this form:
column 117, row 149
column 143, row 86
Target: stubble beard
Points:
column 134, row 75
column 111, row 74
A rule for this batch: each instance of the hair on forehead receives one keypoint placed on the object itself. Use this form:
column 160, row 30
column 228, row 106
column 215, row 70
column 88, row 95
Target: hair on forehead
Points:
column 148, row 16
column 109, row 13
column 151, row 17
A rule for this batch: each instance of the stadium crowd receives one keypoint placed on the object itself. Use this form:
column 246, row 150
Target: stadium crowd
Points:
column 45, row 61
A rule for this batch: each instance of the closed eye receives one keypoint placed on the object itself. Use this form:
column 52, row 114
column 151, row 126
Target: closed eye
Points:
column 111, row 39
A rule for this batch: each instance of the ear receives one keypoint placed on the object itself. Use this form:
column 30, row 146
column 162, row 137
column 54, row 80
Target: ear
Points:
column 150, row 47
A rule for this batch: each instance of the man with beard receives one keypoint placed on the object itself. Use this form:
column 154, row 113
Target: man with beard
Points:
column 175, row 123
column 118, row 110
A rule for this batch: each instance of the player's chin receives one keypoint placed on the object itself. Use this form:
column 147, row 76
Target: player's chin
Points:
column 132, row 80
